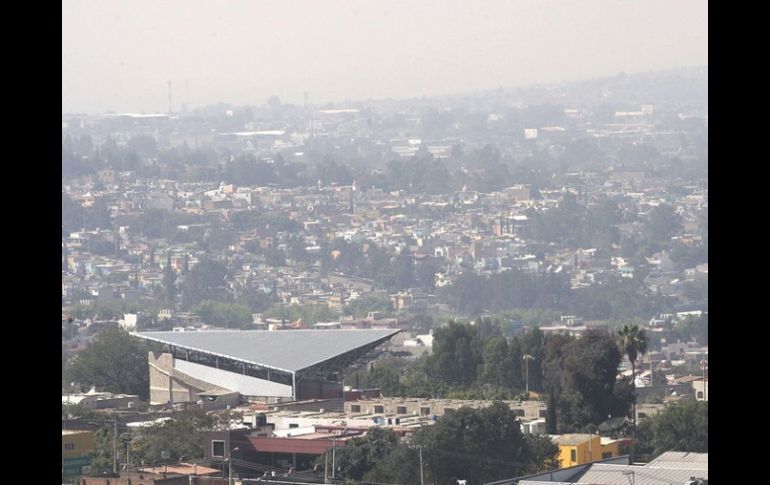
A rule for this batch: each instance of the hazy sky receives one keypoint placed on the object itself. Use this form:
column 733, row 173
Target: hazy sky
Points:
column 119, row 55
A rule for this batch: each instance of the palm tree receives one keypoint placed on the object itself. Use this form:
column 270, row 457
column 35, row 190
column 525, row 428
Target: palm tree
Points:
column 633, row 343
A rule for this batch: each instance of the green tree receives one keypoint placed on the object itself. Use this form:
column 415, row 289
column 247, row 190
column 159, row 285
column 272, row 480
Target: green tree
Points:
column 181, row 436
column 309, row 313
column 256, row 300
column 372, row 303
column 169, row 282
column 105, row 439
column 275, row 257
column 403, row 270
column 695, row 328
column 385, row 374
column 581, row 380
column 401, row 465
column 360, row 455
column 682, row 426
column 633, row 343
column 481, row 445
column 533, row 343
column 662, row 223
column 206, row 281
column 456, row 354
column 496, row 369
column 77, row 411
column 230, row 315
column 115, row 362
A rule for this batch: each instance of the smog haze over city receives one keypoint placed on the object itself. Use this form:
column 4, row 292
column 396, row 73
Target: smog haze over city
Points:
column 361, row 242
column 119, row 56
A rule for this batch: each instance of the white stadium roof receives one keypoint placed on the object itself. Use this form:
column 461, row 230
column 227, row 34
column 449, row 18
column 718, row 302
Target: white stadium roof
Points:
column 284, row 350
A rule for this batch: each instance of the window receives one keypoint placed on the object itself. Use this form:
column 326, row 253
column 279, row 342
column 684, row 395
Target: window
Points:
column 69, row 446
column 700, row 394
column 400, row 409
column 606, row 454
column 573, row 455
column 542, row 413
column 518, row 412
column 642, row 415
column 293, row 425
column 218, row 448
column 425, row 411
column 379, row 409
column 355, row 408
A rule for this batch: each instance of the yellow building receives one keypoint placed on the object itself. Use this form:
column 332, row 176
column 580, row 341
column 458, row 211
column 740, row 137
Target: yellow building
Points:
column 615, row 447
column 579, row 448
column 76, row 443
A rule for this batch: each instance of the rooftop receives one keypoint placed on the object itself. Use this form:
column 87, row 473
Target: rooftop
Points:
column 181, row 469
column 573, row 438
column 288, row 351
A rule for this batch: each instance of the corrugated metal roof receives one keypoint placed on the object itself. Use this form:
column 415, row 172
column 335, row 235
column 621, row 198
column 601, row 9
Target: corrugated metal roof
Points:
column 538, row 482
column 286, row 350
column 600, row 474
column 669, row 468
column 677, row 459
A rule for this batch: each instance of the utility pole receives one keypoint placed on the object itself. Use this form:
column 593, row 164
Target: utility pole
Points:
column 230, row 465
column 422, row 480
column 326, row 466
column 115, row 446
column 704, row 376
column 526, row 358
column 334, row 449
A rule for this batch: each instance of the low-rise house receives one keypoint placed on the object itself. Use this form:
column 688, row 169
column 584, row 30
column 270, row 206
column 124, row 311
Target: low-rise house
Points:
column 579, row 448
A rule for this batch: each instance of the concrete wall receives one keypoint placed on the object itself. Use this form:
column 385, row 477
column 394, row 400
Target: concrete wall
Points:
column 80, row 443
column 163, row 381
column 164, row 377
column 701, row 387
column 117, row 402
column 246, row 385
column 187, row 379
column 314, row 389
column 314, row 405
column 429, row 407
column 647, row 410
column 147, row 479
column 681, row 389
column 584, row 452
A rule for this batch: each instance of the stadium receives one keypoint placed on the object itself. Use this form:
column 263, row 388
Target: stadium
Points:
column 268, row 366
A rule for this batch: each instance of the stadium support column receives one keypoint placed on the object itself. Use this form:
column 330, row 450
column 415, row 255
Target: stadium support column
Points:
column 294, row 385
column 171, row 382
